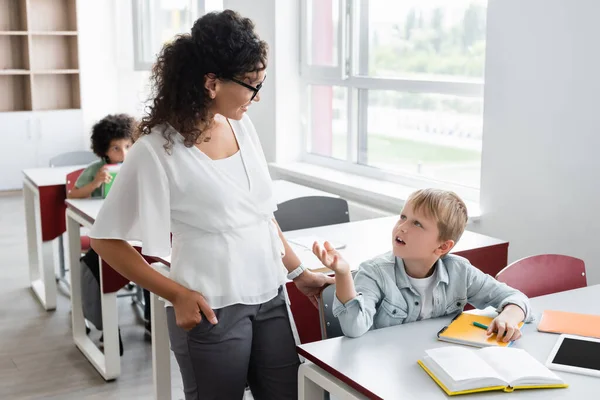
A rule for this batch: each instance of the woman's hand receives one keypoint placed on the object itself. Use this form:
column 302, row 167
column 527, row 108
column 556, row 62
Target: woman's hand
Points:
column 311, row 284
column 188, row 304
column 506, row 325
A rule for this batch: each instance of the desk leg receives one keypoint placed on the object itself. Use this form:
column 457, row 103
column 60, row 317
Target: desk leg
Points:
column 313, row 382
column 109, row 363
column 161, row 354
column 41, row 254
column 110, row 324
column 307, row 389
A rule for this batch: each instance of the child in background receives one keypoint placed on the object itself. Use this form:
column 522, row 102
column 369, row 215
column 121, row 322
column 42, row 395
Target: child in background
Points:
column 111, row 140
column 418, row 279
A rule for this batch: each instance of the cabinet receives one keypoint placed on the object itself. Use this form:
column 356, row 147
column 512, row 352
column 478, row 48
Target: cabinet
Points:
column 31, row 139
column 40, row 102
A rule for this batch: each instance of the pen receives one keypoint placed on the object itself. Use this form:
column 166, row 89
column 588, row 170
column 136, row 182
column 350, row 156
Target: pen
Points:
column 482, row 326
column 479, row 325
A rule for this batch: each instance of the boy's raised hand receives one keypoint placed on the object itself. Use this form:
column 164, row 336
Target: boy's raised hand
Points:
column 331, row 258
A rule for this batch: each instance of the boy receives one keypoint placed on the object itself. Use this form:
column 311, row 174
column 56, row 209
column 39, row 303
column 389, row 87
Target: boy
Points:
column 111, row 140
column 418, row 279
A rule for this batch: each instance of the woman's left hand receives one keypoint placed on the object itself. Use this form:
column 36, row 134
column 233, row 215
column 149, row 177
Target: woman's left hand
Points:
column 311, row 284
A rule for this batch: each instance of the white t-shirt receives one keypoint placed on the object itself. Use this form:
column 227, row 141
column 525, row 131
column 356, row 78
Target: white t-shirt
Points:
column 424, row 287
column 225, row 243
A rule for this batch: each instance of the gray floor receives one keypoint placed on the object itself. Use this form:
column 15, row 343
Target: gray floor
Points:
column 38, row 359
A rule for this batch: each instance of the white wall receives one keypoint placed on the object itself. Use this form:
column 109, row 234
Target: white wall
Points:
column 97, row 55
column 540, row 187
column 133, row 86
column 109, row 83
column 277, row 22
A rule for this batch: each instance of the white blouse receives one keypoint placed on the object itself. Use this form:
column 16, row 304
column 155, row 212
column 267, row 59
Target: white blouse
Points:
column 225, row 244
column 234, row 166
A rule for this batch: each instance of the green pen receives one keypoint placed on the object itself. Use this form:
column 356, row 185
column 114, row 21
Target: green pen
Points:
column 482, row 326
column 479, row 325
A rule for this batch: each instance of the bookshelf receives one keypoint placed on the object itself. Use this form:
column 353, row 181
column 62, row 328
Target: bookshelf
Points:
column 39, row 60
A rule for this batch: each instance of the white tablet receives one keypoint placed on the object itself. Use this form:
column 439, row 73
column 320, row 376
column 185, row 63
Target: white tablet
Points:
column 576, row 354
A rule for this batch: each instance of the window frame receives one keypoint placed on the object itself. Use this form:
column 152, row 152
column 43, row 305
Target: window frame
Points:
column 146, row 30
column 351, row 73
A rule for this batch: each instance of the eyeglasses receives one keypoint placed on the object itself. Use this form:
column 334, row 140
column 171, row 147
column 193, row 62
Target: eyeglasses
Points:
column 254, row 89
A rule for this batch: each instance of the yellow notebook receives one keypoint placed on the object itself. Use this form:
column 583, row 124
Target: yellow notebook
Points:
column 462, row 331
column 460, row 370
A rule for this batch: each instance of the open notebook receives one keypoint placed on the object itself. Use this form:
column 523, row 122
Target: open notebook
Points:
column 460, row 370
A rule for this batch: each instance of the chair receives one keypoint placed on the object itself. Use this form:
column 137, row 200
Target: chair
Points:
column 544, row 274
column 303, row 213
column 85, row 240
column 330, row 325
column 71, row 179
column 310, row 212
column 73, row 158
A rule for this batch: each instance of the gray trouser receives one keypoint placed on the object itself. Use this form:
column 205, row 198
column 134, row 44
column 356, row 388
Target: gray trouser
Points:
column 250, row 344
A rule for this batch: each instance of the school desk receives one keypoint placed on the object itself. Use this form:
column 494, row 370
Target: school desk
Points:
column 382, row 364
column 44, row 195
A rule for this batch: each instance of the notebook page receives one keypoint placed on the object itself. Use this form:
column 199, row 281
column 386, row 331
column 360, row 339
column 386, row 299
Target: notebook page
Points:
column 462, row 364
column 518, row 366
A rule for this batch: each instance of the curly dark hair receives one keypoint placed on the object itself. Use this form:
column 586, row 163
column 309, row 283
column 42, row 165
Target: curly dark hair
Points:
column 111, row 127
column 222, row 43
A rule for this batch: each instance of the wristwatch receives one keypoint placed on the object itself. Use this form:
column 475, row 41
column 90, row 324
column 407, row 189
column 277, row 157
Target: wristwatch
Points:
column 297, row 272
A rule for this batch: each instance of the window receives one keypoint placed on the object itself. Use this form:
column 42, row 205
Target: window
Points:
column 394, row 89
column 155, row 22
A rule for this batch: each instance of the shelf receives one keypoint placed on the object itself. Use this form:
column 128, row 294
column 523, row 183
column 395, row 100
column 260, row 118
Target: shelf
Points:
column 52, row 15
column 53, row 33
column 14, row 72
column 54, row 53
column 55, row 92
column 16, row 93
column 13, row 16
column 55, row 71
column 39, row 55
column 13, row 53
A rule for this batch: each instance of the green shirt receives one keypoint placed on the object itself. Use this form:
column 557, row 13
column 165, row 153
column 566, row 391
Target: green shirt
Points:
column 88, row 175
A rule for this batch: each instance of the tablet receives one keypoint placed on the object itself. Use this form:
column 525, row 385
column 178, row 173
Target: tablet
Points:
column 576, row 354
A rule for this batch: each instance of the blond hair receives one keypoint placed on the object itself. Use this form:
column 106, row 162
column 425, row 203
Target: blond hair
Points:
column 445, row 207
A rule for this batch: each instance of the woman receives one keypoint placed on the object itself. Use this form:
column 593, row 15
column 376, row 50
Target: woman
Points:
column 198, row 171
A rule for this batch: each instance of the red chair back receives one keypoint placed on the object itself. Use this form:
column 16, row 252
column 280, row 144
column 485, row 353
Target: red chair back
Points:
column 306, row 316
column 544, row 274
column 72, row 178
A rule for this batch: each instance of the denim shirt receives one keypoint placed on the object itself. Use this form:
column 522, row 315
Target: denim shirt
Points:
column 386, row 297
